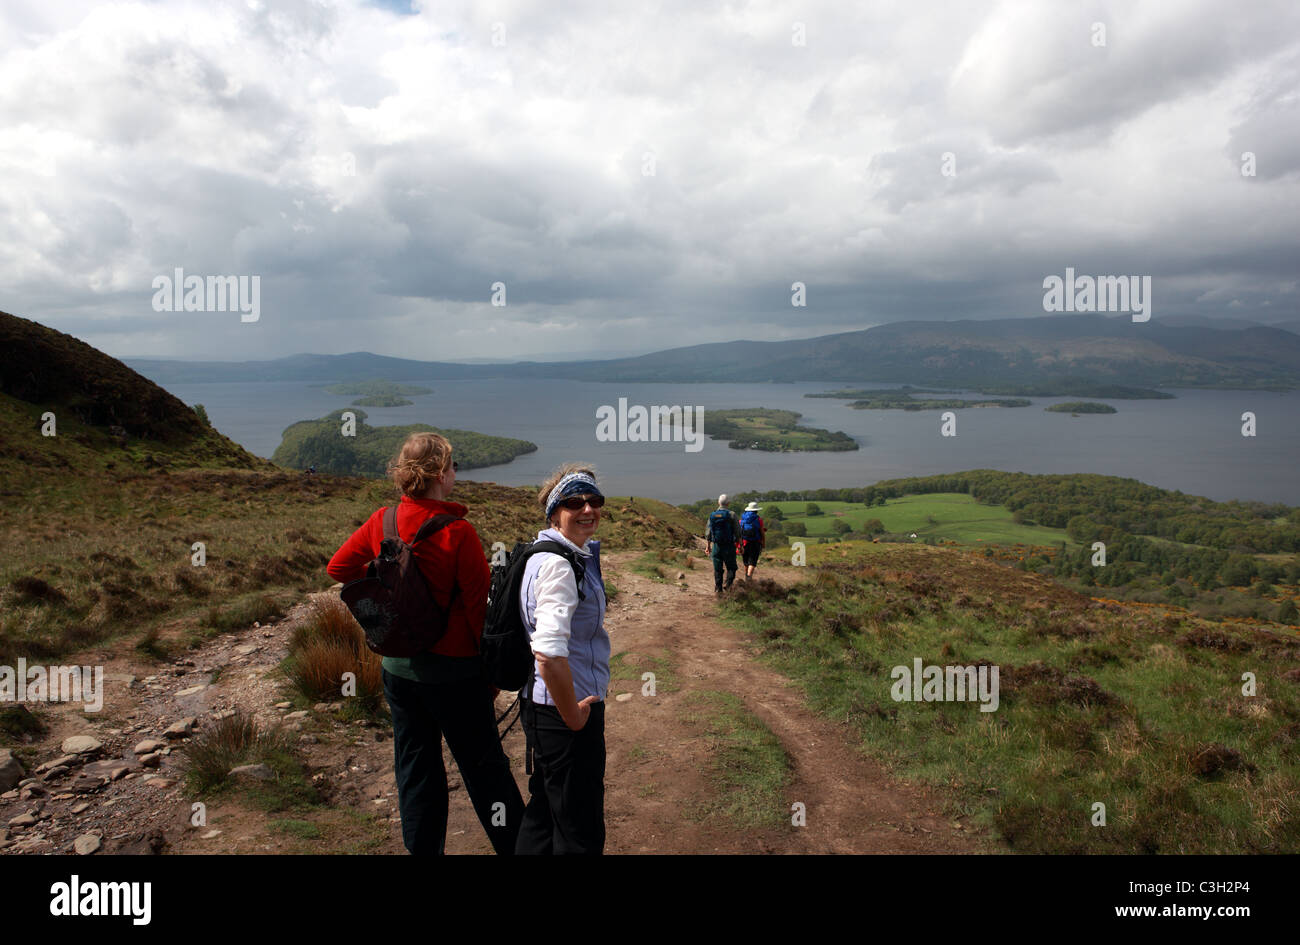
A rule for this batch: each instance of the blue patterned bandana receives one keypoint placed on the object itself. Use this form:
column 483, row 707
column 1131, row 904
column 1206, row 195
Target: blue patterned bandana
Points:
column 573, row 484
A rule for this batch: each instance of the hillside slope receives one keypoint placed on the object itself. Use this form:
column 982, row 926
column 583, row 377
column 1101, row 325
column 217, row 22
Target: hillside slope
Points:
column 104, row 412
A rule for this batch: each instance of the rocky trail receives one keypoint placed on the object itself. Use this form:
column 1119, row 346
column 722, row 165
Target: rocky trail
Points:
column 112, row 782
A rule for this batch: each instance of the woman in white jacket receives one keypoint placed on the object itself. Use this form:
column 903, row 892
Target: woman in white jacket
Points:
column 565, row 717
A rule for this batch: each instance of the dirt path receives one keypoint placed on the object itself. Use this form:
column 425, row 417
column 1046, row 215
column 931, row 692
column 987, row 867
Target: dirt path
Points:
column 852, row 805
column 657, row 783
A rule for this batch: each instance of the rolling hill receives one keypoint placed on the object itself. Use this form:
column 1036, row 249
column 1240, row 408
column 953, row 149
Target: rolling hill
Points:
column 975, row 354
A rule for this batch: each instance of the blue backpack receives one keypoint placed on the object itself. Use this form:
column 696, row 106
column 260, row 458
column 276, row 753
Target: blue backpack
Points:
column 751, row 528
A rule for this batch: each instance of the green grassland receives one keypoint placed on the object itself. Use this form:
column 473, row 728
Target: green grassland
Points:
column 99, row 542
column 941, row 516
column 99, row 530
column 1139, row 709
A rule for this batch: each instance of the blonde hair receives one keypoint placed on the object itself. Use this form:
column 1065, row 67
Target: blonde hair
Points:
column 559, row 473
column 422, row 459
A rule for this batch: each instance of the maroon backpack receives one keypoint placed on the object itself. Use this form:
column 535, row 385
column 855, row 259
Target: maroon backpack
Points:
column 393, row 602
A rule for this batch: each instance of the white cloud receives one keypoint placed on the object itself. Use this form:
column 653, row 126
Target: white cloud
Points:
column 381, row 171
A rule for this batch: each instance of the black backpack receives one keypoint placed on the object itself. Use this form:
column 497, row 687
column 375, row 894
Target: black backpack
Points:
column 393, row 602
column 506, row 651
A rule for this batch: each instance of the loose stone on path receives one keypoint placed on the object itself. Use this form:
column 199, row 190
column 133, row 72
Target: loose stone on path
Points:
column 80, row 745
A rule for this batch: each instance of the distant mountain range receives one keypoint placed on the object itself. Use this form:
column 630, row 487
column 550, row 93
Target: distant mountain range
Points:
column 974, row 354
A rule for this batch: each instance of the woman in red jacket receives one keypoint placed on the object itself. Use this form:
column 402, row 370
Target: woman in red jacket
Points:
column 441, row 691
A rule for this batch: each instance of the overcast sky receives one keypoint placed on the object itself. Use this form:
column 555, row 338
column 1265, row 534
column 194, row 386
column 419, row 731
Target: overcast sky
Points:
column 380, row 166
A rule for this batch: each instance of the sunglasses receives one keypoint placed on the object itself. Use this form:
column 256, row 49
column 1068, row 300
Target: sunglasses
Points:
column 576, row 503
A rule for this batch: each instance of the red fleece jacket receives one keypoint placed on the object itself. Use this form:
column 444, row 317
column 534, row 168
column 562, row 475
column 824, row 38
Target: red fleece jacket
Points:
column 452, row 553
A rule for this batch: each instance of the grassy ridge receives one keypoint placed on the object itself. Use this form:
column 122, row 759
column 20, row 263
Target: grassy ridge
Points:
column 1131, row 708
column 109, row 556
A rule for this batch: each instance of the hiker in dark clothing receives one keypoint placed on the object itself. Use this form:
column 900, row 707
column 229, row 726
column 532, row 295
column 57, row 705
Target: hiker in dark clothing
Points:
column 720, row 539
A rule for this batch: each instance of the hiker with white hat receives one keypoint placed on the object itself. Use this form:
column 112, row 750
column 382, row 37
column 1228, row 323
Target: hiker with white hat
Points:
column 753, row 535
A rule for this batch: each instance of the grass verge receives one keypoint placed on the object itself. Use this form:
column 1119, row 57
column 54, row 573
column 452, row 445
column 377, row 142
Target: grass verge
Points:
column 749, row 768
column 1142, row 712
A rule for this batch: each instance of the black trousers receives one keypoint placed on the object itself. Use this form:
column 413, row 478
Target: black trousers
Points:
column 726, row 557
column 566, row 809
column 462, row 711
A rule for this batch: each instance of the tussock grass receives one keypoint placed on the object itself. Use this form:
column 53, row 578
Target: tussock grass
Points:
column 239, row 740
column 328, row 644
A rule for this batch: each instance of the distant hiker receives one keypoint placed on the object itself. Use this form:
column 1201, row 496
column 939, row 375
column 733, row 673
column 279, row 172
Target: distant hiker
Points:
column 753, row 536
column 311, row 470
column 442, row 691
column 564, row 716
column 720, row 540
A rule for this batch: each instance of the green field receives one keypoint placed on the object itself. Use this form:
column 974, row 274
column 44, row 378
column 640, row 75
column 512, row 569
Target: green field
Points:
column 956, row 517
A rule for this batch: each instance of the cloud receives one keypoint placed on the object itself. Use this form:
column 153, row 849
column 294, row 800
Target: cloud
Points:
column 636, row 178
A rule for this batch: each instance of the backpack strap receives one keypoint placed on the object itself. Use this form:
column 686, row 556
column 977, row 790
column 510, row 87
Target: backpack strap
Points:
column 435, row 524
column 568, row 554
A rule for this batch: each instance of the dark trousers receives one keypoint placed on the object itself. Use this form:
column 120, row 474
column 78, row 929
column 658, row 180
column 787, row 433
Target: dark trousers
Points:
column 462, row 711
column 566, row 809
column 723, row 556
